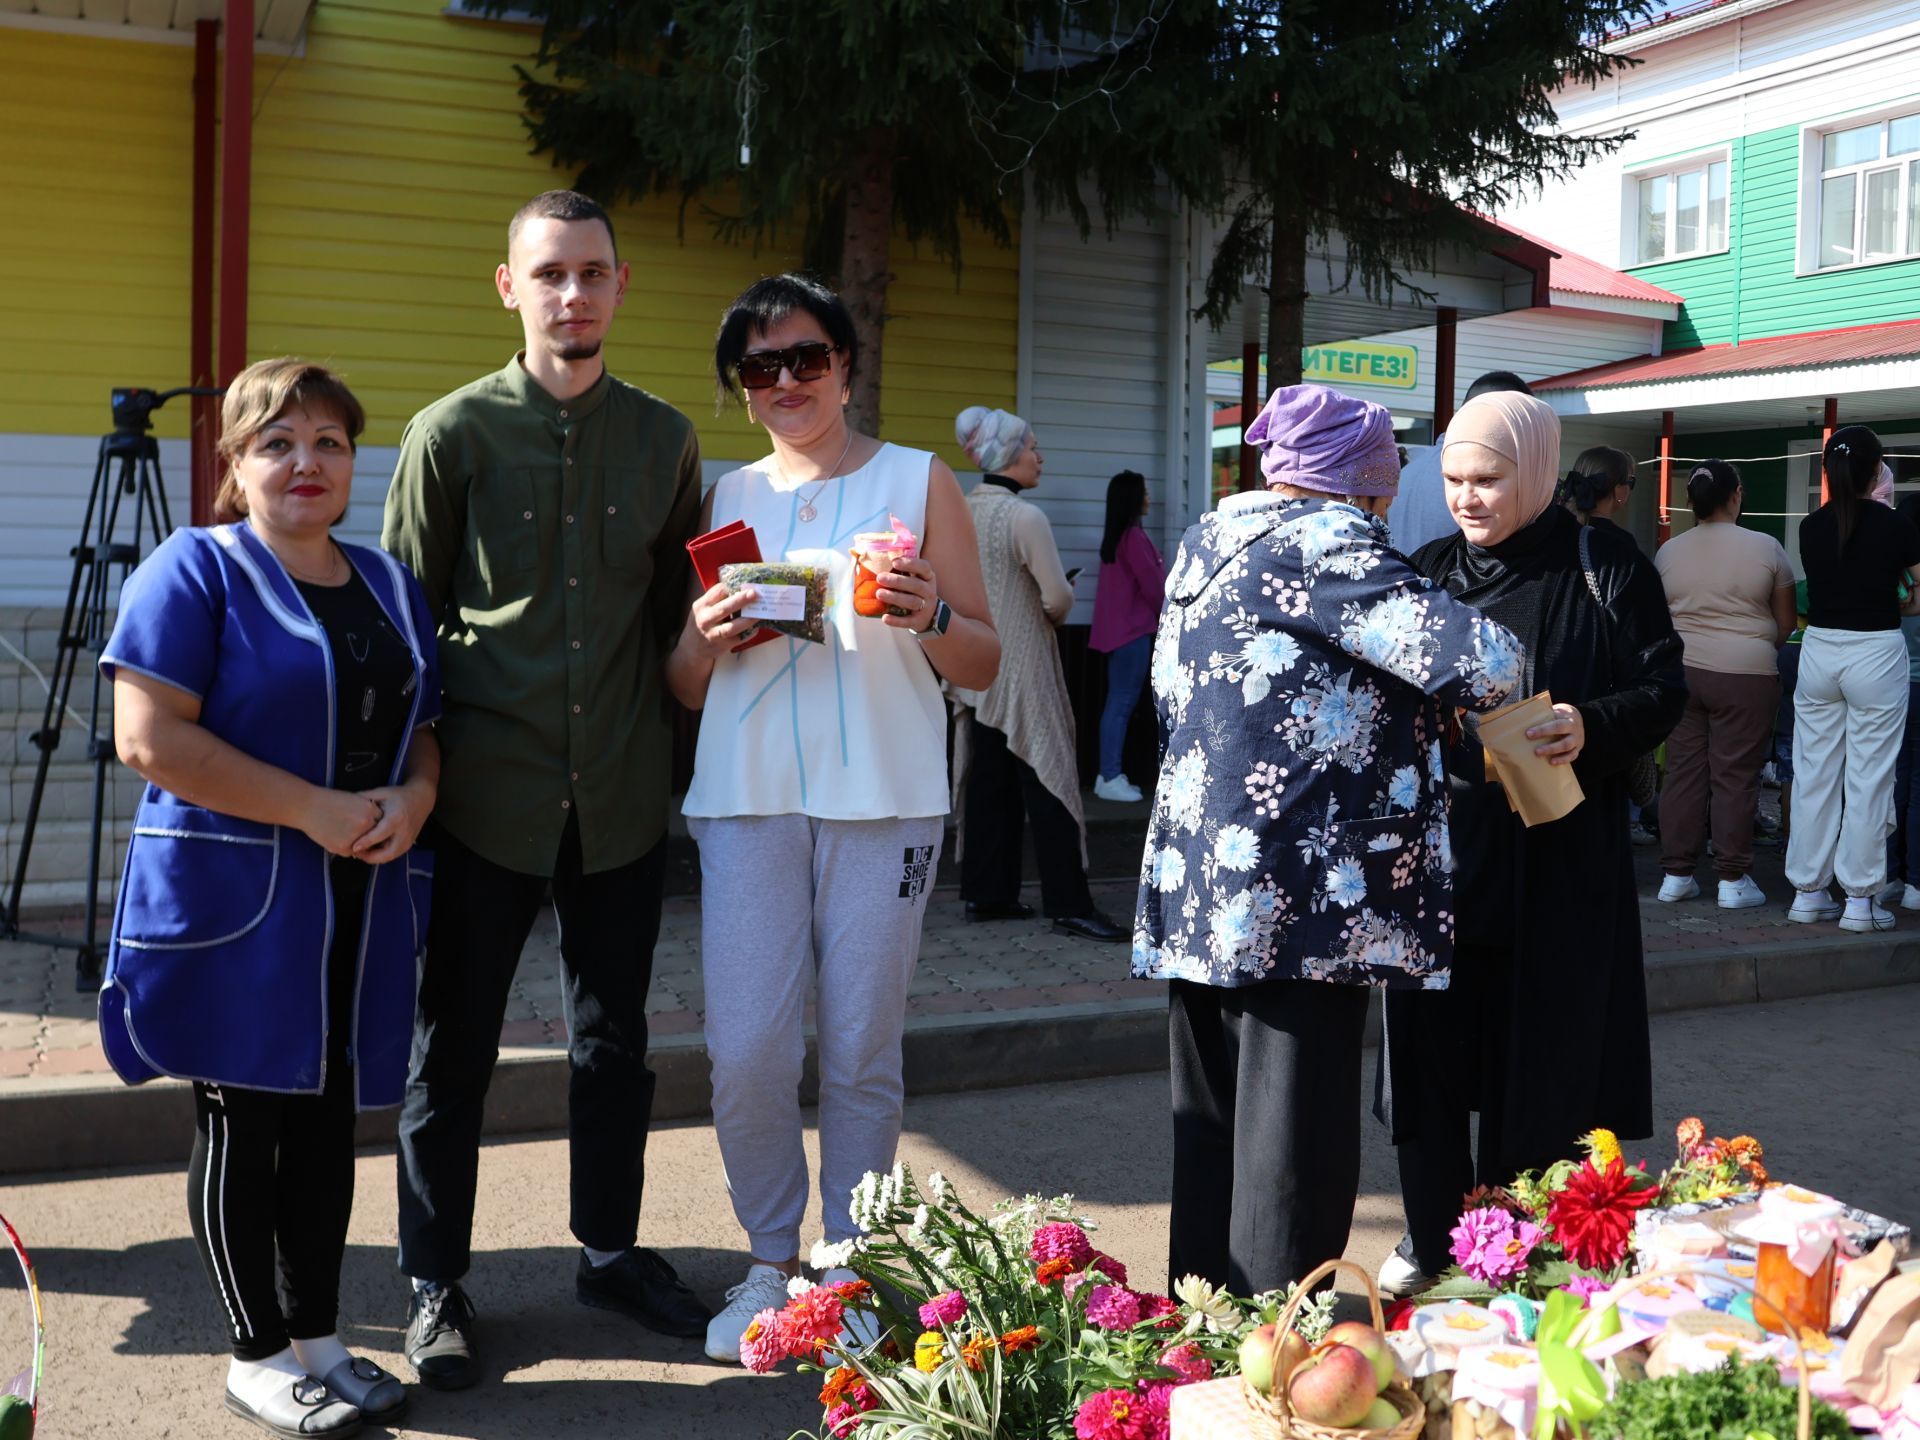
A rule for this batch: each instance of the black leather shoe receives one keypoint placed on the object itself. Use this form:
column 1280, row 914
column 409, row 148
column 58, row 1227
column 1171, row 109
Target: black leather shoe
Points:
column 1092, row 926
column 998, row 910
column 644, row 1286
column 440, row 1338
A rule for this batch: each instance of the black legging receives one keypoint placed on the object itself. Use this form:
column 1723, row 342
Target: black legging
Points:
column 1003, row 796
column 273, row 1174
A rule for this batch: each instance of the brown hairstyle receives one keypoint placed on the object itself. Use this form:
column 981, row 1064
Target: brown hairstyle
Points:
column 561, row 205
column 261, row 394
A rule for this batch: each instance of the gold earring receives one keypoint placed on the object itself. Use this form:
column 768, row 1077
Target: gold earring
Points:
column 752, row 419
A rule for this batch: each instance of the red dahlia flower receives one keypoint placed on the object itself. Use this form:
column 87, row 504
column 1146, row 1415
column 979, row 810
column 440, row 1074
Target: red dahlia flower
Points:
column 1592, row 1217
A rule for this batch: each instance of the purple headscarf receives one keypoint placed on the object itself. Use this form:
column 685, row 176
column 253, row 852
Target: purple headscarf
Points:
column 1319, row 439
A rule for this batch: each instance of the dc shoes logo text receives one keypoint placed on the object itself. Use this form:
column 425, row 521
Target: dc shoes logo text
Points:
column 915, row 870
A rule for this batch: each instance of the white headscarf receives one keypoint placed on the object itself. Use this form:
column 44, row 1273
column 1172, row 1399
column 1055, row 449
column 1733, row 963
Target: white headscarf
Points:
column 991, row 438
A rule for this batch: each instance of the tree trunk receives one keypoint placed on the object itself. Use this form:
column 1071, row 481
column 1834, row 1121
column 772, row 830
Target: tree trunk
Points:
column 864, row 269
column 1286, row 297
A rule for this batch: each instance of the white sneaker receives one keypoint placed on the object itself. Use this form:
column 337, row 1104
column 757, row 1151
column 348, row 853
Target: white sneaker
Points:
column 1400, row 1278
column 1889, row 894
column 1810, row 907
column 1679, row 887
column 860, row 1330
column 765, row 1288
column 1741, row 894
column 1116, row 787
column 1911, row 900
column 1864, row 915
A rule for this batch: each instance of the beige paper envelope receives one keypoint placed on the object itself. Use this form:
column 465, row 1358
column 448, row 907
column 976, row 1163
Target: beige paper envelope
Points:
column 1538, row 791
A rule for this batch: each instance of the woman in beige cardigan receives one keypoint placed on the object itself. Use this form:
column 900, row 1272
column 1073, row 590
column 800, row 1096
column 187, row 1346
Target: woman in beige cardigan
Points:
column 1014, row 755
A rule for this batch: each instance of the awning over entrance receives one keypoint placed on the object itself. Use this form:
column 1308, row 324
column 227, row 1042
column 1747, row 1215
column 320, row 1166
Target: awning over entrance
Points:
column 277, row 23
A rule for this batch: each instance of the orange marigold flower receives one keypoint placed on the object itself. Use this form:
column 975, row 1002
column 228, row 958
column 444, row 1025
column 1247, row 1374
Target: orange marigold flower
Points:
column 852, row 1289
column 1745, row 1149
column 840, row 1379
column 1026, row 1337
column 1049, row 1271
column 1690, row 1132
column 1757, row 1173
column 975, row 1351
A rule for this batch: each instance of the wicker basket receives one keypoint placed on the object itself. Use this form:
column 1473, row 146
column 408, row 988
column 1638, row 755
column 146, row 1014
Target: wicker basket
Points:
column 1273, row 1415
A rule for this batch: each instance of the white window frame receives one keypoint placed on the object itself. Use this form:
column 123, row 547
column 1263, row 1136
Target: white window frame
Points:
column 1813, row 174
column 1671, row 170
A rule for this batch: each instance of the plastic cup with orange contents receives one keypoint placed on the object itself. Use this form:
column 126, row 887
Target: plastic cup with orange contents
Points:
column 874, row 555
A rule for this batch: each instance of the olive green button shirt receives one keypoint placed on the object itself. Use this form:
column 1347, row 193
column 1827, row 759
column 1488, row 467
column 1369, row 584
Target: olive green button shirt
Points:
column 550, row 537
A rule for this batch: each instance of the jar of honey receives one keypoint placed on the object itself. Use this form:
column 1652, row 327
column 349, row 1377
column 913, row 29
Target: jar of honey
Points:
column 1796, row 1237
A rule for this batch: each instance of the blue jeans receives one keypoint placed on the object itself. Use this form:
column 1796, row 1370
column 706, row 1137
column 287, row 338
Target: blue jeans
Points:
column 1903, row 845
column 1126, row 673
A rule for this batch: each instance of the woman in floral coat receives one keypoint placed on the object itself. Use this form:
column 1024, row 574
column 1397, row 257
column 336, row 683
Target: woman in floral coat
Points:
column 1304, row 676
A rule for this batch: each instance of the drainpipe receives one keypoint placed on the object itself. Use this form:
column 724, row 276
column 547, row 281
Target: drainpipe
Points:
column 236, row 183
column 205, row 412
column 1828, row 425
column 1666, row 476
column 1445, row 344
column 1249, row 391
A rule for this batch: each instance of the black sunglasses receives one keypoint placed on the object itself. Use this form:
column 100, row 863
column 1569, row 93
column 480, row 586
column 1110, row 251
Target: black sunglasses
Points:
column 809, row 360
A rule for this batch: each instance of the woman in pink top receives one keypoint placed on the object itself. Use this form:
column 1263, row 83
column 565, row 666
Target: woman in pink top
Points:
column 1731, row 593
column 1126, row 611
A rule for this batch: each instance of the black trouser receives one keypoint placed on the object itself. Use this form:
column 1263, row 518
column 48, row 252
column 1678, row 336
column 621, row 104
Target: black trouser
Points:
column 1003, row 793
column 274, row 1173
column 1438, row 1166
column 1266, row 1129
column 482, row 915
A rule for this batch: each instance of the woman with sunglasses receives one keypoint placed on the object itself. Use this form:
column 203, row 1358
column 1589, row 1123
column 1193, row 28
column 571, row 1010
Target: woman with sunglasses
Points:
column 820, row 784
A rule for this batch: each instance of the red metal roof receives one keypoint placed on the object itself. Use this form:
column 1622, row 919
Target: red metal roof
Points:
column 1784, row 352
column 1581, row 276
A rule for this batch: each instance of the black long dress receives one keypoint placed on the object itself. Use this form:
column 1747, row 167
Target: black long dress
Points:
column 1544, row 1029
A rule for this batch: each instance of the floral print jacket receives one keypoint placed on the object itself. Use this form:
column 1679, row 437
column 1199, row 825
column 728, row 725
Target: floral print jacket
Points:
column 1304, row 674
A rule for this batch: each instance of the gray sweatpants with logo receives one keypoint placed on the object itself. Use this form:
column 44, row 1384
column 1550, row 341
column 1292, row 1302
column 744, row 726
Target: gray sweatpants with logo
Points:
column 789, row 903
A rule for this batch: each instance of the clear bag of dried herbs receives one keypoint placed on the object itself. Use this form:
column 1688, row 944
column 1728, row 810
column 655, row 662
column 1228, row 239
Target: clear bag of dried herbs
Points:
column 792, row 598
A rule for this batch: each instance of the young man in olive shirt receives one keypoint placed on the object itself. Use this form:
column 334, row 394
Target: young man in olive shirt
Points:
column 545, row 509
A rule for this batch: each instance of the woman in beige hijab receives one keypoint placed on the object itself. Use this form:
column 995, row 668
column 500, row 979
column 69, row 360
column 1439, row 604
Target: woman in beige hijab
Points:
column 1547, row 920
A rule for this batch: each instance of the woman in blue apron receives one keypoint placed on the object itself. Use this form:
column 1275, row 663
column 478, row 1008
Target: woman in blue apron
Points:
column 273, row 686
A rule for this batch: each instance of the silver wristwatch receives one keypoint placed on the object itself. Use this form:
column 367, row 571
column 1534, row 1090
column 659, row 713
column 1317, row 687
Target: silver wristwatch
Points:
column 942, row 618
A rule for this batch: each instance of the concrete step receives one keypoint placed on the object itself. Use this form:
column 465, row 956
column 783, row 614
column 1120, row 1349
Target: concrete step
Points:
column 68, row 794
column 57, row 864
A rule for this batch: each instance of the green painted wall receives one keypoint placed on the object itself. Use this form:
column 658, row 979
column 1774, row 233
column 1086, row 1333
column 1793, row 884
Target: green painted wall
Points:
column 1765, row 481
column 1751, row 291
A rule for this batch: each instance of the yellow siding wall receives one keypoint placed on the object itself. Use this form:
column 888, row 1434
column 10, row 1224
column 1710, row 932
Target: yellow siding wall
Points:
column 387, row 159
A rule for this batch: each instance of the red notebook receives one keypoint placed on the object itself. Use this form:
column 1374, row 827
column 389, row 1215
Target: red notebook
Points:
column 729, row 545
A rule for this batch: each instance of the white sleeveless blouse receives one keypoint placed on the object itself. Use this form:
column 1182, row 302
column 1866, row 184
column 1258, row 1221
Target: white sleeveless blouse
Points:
column 854, row 729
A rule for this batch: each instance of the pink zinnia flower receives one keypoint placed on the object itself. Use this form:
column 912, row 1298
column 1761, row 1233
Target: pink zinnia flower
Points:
column 1163, row 1308
column 1188, row 1363
column 1110, row 1267
column 1491, row 1246
column 840, row 1420
column 1061, row 1240
column 1584, row 1287
column 1156, row 1398
column 1115, row 1415
column 1113, row 1308
column 765, row 1343
column 943, row 1310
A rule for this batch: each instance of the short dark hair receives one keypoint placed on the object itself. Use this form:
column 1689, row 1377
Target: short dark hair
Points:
column 561, row 205
column 1495, row 380
column 1710, row 487
column 763, row 305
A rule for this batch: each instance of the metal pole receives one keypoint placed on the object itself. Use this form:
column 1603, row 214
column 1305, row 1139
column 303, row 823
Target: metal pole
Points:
column 1829, row 423
column 1445, row 348
column 206, row 409
column 236, row 183
column 1666, row 476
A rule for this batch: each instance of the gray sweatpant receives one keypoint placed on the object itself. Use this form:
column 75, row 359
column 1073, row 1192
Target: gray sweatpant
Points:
column 787, row 900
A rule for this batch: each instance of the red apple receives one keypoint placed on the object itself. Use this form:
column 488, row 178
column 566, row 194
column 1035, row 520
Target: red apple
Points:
column 1371, row 1343
column 1335, row 1387
column 1267, row 1356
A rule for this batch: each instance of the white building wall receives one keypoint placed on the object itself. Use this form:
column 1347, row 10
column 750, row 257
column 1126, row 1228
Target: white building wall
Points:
column 1102, row 377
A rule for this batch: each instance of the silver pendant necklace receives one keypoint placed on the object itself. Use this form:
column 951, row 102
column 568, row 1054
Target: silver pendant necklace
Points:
column 807, row 512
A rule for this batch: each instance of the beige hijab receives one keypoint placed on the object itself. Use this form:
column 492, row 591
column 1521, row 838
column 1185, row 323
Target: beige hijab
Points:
column 1525, row 431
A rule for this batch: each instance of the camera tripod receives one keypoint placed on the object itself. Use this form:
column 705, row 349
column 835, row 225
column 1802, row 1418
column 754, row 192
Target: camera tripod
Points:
column 129, row 466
